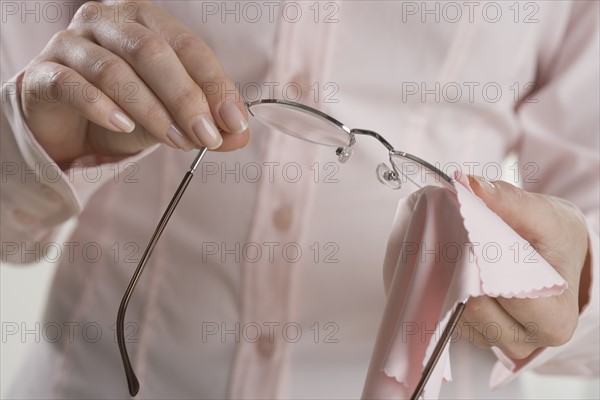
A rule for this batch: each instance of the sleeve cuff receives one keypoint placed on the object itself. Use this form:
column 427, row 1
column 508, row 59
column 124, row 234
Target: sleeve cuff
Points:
column 39, row 194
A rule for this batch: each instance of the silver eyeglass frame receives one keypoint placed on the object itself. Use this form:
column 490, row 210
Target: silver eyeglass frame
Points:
column 391, row 177
column 394, row 174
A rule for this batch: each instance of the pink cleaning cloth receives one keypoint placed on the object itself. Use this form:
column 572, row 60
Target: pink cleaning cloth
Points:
column 445, row 246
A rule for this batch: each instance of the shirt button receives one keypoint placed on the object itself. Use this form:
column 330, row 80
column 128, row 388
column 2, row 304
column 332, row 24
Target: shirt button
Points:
column 24, row 218
column 282, row 217
column 51, row 194
column 266, row 346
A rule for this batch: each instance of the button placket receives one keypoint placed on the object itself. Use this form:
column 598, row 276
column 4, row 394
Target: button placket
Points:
column 259, row 367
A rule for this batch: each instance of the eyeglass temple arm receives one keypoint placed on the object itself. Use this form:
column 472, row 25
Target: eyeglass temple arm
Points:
column 439, row 348
column 132, row 381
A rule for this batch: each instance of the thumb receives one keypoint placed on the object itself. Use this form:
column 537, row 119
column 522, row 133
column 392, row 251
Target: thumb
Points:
column 556, row 231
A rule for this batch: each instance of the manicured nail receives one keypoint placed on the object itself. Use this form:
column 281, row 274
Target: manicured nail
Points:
column 121, row 121
column 179, row 139
column 206, row 132
column 485, row 184
column 233, row 117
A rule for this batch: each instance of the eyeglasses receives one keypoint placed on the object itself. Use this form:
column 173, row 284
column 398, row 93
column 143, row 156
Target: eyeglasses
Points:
column 307, row 123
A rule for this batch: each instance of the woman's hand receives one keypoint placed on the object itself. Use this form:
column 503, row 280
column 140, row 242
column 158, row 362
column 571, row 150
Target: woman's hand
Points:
column 557, row 230
column 124, row 76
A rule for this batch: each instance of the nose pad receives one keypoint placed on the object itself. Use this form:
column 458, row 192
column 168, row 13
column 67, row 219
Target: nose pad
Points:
column 344, row 154
column 388, row 177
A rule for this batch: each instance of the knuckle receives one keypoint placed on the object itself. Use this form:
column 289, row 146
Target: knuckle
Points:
column 106, row 69
column 90, row 11
column 58, row 79
column 129, row 10
column 60, row 39
column 154, row 111
column 571, row 215
column 475, row 308
column 186, row 42
column 217, row 76
column 58, row 76
column 186, row 97
column 558, row 335
column 217, row 85
column 146, row 47
column 512, row 192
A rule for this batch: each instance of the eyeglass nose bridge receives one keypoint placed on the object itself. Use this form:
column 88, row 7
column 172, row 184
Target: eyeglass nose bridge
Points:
column 393, row 177
column 386, row 175
column 373, row 134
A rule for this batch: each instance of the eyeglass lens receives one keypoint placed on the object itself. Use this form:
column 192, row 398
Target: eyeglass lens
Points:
column 301, row 122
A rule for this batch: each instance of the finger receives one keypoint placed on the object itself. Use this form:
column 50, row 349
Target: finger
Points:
column 234, row 141
column 538, row 219
column 119, row 145
column 532, row 215
column 556, row 316
column 159, row 67
column 515, row 206
column 60, row 84
column 493, row 326
column 119, row 82
column 226, row 103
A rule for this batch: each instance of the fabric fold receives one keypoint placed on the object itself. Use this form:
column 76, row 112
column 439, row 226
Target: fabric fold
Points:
column 445, row 246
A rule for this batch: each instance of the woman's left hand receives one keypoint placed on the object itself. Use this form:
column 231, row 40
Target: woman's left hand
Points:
column 557, row 230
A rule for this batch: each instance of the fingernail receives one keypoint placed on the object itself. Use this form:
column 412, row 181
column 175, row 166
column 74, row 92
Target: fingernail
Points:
column 206, row 132
column 121, row 121
column 233, row 117
column 485, row 184
column 179, row 139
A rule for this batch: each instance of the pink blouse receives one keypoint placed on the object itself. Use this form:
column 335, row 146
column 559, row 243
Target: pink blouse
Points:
column 268, row 280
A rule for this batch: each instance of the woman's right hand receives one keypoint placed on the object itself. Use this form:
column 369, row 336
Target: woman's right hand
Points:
column 125, row 76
